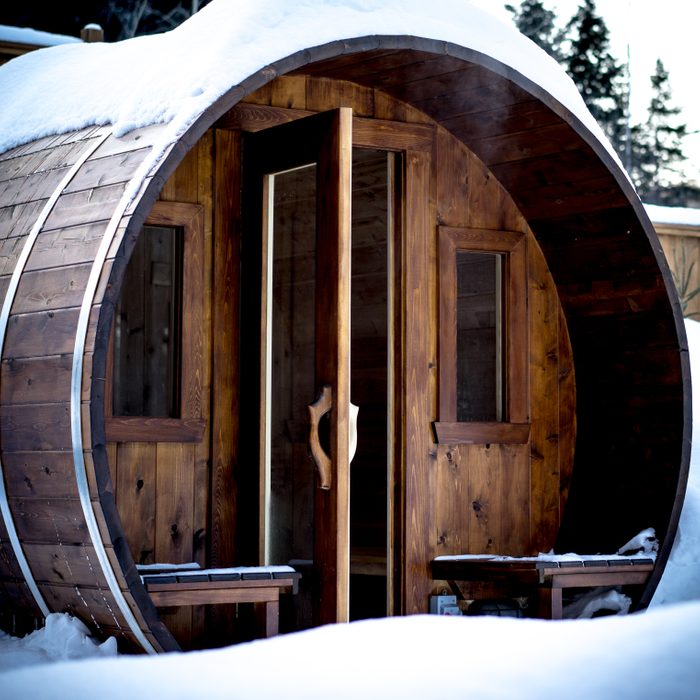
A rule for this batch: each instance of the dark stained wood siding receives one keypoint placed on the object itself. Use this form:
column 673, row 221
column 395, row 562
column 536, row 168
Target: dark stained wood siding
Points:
column 456, row 498
column 521, row 162
column 37, row 364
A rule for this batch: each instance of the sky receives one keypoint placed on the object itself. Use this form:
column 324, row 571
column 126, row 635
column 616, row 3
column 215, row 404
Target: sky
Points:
column 665, row 29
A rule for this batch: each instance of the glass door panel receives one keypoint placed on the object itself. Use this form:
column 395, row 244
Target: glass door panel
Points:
column 290, row 298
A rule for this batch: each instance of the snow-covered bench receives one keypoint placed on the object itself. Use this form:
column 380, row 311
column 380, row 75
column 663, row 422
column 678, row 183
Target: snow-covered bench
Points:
column 176, row 585
column 545, row 575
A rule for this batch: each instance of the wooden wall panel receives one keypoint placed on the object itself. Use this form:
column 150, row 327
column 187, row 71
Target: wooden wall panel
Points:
column 545, row 385
column 495, row 498
column 135, row 490
column 507, row 498
column 225, row 315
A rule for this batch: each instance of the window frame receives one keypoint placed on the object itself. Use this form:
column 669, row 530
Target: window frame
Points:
column 189, row 427
column 512, row 246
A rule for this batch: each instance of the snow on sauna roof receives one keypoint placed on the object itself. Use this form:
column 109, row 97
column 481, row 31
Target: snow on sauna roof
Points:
column 173, row 77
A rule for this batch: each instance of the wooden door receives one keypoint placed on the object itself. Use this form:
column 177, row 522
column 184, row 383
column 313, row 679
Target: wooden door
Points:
column 303, row 349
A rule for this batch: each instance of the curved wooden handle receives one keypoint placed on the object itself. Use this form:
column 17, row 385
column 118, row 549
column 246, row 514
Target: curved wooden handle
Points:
column 354, row 411
column 316, row 411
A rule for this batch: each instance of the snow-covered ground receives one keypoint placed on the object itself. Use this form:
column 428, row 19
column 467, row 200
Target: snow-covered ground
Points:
column 643, row 656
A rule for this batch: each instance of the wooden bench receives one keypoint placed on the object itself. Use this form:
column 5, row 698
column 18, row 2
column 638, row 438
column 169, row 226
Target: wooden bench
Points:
column 546, row 577
column 261, row 585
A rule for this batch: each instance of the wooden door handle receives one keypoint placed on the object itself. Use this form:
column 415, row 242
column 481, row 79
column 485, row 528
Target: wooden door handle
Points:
column 317, row 410
column 354, row 410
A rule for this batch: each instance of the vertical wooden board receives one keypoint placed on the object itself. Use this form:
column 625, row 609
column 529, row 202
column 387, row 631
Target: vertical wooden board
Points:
column 182, row 184
column 262, row 96
column 419, row 517
column 203, row 448
column 174, row 505
column 567, row 411
column 322, row 94
column 174, row 522
column 545, row 401
column 288, row 91
column 513, row 494
column 484, row 480
column 683, row 256
column 360, row 98
column 179, row 623
column 486, row 201
column 136, row 497
column 452, row 507
column 194, row 359
column 325, row 93
column 225, row 319
column 453, row 181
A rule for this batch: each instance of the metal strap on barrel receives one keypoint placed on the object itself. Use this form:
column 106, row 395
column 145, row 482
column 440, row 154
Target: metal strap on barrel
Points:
column 76, row 413
column 4, row 320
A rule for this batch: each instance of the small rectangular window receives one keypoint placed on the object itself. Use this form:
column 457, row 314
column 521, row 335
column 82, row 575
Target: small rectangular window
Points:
column 147, row 332
column 483, row 338
column 479, row 336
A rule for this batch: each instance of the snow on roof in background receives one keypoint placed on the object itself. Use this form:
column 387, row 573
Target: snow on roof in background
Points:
column 33, row 37
column 680, row 216
column 173, row 77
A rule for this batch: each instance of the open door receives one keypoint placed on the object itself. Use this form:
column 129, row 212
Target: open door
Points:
column 296, row 270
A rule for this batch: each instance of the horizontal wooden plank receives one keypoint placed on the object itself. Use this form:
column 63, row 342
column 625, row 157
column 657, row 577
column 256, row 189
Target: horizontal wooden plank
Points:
column 40, row 380
column 95, row 606
column 31, row 187
column 57, row 288
column 17, row 220
column 143, row 429
column 58, row 157
column 40, row 474
column 32, row 427
column 481, row 433
column 566, row 199
column 371, row 133
column 564, row 167
column 463, row 102
column 85, row 206
column 65, row 564
column 107, row 170
column 507, row 119
column 67, row 246
column 49, row 142
column 49, row 519
column 45, row 333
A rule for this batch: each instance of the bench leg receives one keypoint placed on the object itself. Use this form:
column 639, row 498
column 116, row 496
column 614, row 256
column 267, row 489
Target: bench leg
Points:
column 268, row 614
column 549, row 603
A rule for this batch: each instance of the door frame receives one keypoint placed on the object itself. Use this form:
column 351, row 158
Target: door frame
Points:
column 408, row 378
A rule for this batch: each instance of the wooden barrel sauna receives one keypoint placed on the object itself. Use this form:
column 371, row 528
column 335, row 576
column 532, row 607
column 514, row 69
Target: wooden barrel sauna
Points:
column 600, row 465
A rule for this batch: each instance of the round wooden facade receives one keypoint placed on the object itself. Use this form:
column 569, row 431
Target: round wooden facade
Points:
column 72, row 206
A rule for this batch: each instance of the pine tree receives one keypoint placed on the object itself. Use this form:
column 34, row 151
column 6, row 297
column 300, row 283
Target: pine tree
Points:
column 660, row 139
column 597, row 74
column 537, row 23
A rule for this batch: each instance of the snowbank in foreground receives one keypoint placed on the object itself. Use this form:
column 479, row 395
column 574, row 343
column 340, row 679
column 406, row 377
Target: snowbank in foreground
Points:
column 62, row 637
column 637, row 657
